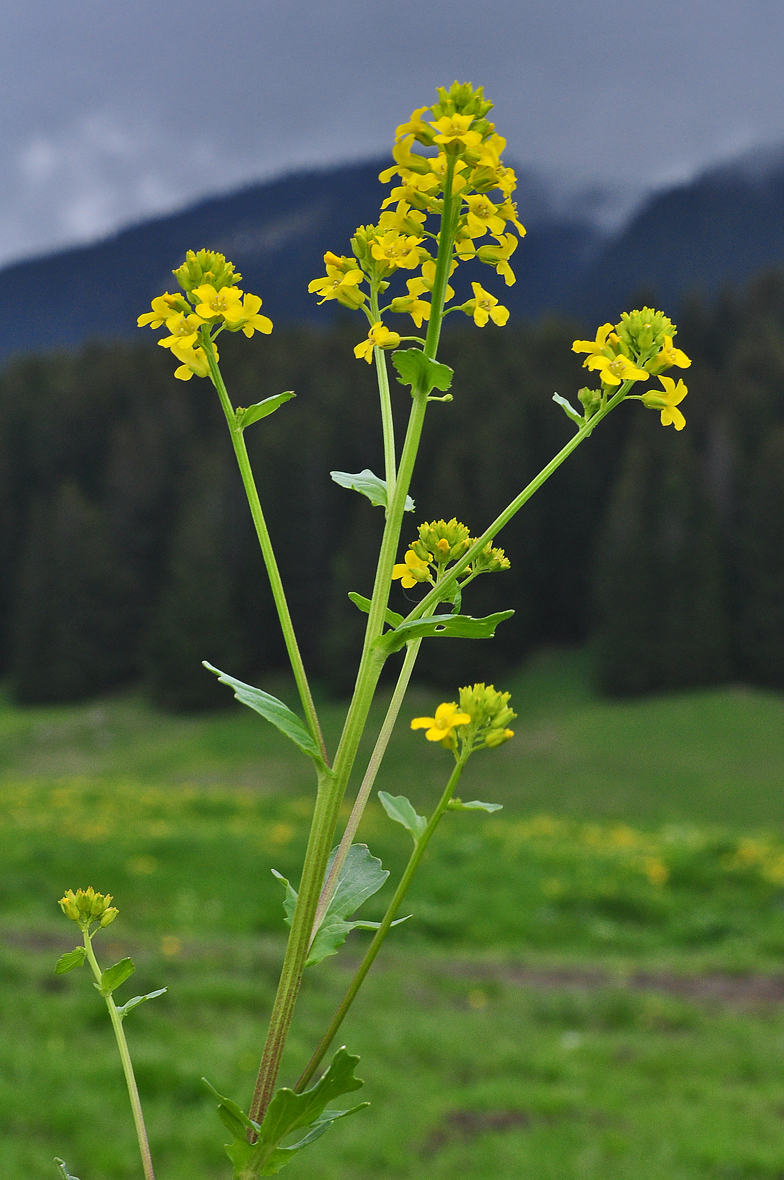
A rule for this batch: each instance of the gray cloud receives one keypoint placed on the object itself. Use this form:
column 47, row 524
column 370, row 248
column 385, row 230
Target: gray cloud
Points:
column 116, row 112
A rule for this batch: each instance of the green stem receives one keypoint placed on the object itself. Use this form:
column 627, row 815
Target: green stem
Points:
column 332, row 787
column 382, row 741
column 432, row 598
column 125, row 1058
column 276, row 584
column 450, row 214
column 386, row 923
column 387, row 425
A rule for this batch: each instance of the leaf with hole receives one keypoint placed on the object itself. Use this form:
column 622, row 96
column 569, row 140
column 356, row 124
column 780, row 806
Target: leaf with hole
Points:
column 455, row 626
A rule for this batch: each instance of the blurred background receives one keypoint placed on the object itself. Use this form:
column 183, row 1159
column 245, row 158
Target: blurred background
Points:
column 615, row 935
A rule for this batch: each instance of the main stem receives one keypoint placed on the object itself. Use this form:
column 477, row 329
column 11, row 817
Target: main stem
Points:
column 125, row 1058
column 276, row 584
column 389, row 917
column 332, row 785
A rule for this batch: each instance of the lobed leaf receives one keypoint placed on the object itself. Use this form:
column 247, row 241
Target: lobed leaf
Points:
column 456, row 626
column 402, row 812
column 286, row 1113
column 262, row 409
column 360, row 877
column 273, row 710
column 69, row 960
column 368, row 484
column 420, row 372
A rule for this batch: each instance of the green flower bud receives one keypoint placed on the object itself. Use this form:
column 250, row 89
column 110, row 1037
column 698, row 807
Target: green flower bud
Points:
column 206, row 267
column 642, row 332
column 86, row 906
column 446, row 540
column 591, row 400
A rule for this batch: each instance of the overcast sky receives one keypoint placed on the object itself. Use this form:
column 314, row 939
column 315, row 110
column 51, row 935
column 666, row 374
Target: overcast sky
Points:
column 117, row 111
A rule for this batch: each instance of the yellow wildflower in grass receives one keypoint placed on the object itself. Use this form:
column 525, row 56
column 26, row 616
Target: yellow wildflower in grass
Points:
column 413, row 570
column 667, row 400
column 245, row 317
column 439, row 728
column 484, row 307
column 378, row 337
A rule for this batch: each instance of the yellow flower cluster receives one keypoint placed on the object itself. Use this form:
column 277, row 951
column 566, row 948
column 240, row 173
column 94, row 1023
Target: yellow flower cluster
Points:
column 485, row 710
column 639, row 347
column 86, row 906
column 211, row 303
column 463, row 144
column 440, row 543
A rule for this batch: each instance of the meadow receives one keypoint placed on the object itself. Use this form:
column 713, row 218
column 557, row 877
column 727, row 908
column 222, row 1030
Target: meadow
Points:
column 589, row 986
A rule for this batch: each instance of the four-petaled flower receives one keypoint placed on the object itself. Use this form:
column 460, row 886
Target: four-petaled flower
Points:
column 413, row 570
column 667, row 400
column 379, row 337
column 194, row 360
column 483, row 308
column 214, row 304
column 439, row 728
column 451, row 128
column 615, row 369
column 667, row 357
column 246, row 316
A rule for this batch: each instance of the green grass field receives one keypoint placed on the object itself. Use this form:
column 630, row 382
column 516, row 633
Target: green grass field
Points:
column 590, row 984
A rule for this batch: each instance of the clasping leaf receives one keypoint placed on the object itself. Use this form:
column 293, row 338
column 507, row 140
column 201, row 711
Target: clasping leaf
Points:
column 262, row 409
column 459, row 626
column 287, row 1112
column 69, row 960
column 369, row 485
column 360, row 877
column 137, row 1000
column 473, row 805
column 420, row 372
column 112, row 977
column 364, row 604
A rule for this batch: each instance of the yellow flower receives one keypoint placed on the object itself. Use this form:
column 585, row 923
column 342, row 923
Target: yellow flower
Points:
column 403, row 220
column 341, row 281
column 615, row 369
column 194, row 360
column 483, row 308
column 184, row 330
column 416, row 127
column 667, row 400
column 86, row 906
column 455, row 129
column 379, row 337
column 246, row 316
column 162, row 308
column 483, row 215
column 595, row 346
column 418, row 286
column 497, row 256
column 414, row 569
column 667, row 357
column 396, row 249
column 214, row 304
column 418, row 309
column 439, row 728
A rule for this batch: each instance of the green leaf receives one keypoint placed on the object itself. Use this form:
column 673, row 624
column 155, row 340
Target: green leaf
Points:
column 112, row 977
column 401, row 811
column 457, row 626
column 369, row 485
column 272, row 710
column 568, row 409
column 69, row 960
column 420, row 372
column 473, row 805
column 137, row 1000
column 360, row 877
column 286, row 1113
column 262, row 409
column 391, row 616
column 65, row 1174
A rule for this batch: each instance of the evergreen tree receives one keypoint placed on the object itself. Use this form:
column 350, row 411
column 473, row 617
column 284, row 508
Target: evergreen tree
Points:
column 760, row 576
column 658, row 590
column 195, row 616
column 72, row 597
